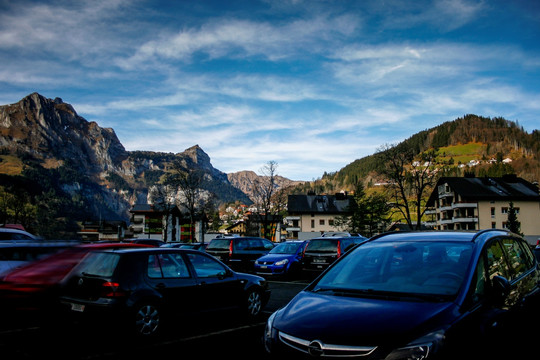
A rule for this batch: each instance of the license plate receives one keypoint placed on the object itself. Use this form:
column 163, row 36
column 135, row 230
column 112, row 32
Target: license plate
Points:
column 319, row 260
column 77, row 307
column 264, row 267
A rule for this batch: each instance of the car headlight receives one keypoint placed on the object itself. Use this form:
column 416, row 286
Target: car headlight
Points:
column 421, row 348
column 269, row 332
column 282, row 262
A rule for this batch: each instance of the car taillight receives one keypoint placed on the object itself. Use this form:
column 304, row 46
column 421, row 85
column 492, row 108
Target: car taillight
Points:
column 230, row 248
column 111, row 289
column 338, row 249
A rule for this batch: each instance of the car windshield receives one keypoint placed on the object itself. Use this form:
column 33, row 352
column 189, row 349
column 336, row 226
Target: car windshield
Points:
column 286, row 248
column 400, row 268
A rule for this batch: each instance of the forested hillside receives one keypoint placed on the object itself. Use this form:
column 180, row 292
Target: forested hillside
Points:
column 487, row 142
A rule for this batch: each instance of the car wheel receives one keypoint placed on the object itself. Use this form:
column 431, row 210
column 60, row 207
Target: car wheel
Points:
column 254, row 303
column 147, row 319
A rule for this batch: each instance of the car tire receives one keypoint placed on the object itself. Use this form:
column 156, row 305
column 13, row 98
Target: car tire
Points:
column 146, row 319
column 254, row 303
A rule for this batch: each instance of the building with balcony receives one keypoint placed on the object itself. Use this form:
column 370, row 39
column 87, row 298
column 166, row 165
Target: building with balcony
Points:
column 469, row 203
column 311, row 215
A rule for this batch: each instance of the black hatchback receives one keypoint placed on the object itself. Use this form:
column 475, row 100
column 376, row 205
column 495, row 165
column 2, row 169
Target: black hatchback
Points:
column 238, row 252
column 416, row 295
column 322, row 251
column 144, row 287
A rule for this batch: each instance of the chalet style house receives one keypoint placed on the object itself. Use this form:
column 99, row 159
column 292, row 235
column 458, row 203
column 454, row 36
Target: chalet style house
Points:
column 149, row 221
column 311, row 215
column 470, row 203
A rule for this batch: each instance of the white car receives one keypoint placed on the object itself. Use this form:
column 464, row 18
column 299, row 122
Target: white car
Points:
column 16, row 234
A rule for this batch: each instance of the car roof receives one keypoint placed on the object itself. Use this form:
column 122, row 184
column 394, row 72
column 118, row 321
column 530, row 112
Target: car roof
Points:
column 437, row 235
column 18, row 231
column 148, row 249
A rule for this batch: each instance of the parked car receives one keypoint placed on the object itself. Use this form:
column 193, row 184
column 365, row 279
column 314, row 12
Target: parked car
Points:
column 415, row 295
column 7, row 233
column 16, row 253
column 282, row 260
column 142, row 288
column 184, row 245
column 239, row 253
column 33, row 287
column 323, row 251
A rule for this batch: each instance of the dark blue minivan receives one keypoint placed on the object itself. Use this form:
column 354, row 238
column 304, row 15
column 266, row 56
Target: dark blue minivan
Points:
column 414, row 295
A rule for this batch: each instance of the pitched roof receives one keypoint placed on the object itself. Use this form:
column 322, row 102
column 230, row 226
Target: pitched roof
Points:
column 495, row 188
column 327, row 204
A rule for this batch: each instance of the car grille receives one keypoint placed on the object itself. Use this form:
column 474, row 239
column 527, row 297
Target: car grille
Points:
column 318, row 348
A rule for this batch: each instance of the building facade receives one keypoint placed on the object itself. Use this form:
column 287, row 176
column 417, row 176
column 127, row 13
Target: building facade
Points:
column 311, row 215
column 469, row 203
column 153, row 222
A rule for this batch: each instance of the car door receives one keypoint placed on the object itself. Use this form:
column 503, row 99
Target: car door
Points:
column 168, row 274
column 217, row 286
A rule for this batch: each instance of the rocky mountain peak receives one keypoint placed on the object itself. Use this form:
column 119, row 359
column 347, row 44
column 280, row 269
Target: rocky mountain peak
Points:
column 52, row 129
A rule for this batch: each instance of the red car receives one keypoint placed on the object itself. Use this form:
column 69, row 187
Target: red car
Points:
column 33, row 286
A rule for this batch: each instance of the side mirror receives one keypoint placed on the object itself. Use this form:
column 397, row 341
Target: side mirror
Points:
column 501, row 288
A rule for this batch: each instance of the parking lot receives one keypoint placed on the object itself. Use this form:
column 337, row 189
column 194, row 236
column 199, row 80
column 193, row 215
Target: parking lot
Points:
column 209, row 335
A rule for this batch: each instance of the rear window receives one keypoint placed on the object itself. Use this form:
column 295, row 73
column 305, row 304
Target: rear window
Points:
column 219, row 244
column 99, row 264
column 322, row 245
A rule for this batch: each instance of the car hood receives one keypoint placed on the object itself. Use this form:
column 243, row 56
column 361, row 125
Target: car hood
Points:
column 275, row 257
column 361, row 321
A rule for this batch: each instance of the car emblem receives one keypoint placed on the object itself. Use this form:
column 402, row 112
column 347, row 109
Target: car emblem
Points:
column 80, row 282
column 315, row 348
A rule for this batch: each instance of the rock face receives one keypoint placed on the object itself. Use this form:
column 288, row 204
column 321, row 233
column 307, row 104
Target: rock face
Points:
column 51, row 129
column 245, row 181
column 51, row 134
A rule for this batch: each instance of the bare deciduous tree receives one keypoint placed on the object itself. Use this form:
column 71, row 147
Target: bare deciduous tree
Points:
column 264, row 188
column 408, row 180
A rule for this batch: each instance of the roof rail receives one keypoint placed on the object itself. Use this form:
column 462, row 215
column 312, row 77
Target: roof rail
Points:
column 482, row 232
column 336, row 234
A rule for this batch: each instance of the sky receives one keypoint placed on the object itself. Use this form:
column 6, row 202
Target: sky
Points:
column 311, row 85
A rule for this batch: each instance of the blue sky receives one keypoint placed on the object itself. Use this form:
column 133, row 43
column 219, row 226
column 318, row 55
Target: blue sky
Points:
column 312, row 85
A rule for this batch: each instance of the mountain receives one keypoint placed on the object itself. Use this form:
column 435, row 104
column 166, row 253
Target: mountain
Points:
column 245, row 181
column 471, row 144
column 47, row 148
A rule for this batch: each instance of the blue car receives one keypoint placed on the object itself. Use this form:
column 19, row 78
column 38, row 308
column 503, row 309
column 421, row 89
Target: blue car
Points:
column 415, row 295
column 282, row 260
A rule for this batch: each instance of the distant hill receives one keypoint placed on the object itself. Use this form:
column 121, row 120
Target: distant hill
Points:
column 62, row 168
column 472, row 137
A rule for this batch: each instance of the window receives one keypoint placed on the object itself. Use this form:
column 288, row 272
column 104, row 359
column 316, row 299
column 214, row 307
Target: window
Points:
column 331, row 222
column 519, row 259
column 492, row 212
column 496, row 263
column 480, row 283
column 321, row 222
column 167, row 266
column 312, row 224
column 205, row 266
